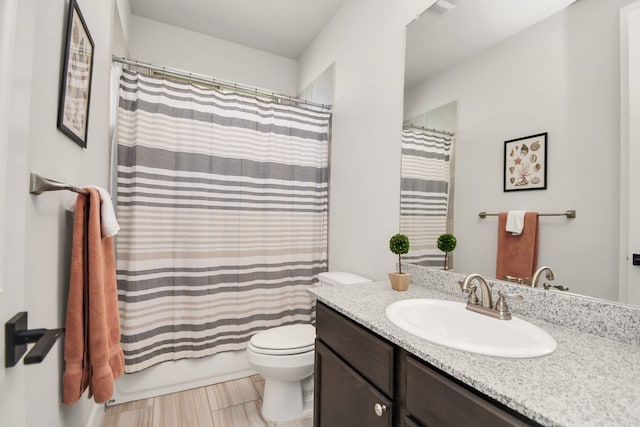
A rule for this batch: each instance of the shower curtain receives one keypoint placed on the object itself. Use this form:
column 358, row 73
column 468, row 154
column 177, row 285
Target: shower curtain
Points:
column 424, row 194
column 223, row 203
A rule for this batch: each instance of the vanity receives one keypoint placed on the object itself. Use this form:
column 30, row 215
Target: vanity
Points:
column 369, row 372
column 362, row 379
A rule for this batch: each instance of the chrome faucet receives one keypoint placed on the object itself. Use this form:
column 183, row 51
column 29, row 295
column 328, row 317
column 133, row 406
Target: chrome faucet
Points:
column 549, row 276
column 538, row 273
column 484, row 288
column 501, row 310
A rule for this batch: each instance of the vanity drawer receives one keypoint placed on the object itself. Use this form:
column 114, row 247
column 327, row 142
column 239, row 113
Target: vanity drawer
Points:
column 432, row 399
column 369, row 355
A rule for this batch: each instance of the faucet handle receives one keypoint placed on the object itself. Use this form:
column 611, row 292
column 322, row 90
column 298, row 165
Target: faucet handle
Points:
column 501, row 304
column 472, row 298
column 470, row 291
column 558, row 287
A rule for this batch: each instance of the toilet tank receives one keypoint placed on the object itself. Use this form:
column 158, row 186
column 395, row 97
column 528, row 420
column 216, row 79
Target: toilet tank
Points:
column 339, row 278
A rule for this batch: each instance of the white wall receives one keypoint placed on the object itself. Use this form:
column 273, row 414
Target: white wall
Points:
column 119, row 31
column 12, row 381
column 321, row 90
column 365, row 39
column 123, row 8
column 162, row 44
column 560, row 76
column 37, row 231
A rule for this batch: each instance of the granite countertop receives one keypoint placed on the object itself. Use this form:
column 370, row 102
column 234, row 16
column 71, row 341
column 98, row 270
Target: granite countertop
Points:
column 587, row 381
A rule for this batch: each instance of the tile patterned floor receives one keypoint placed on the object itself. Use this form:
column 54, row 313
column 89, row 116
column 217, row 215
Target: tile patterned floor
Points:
column 232, row 404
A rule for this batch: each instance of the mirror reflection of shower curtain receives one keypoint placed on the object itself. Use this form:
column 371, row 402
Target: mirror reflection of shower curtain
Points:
column 223, row 204
column 424, row 194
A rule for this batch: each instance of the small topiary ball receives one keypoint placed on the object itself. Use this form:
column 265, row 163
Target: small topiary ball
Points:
column 399, row 244
column 447, row 242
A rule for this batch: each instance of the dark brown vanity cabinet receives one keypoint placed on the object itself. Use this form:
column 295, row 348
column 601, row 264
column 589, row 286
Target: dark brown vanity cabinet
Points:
column 361, row 380
column 345, row 398
column 433, row 399
column 353, row 374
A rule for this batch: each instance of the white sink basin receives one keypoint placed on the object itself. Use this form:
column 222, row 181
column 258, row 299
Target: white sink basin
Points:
column 451, row 324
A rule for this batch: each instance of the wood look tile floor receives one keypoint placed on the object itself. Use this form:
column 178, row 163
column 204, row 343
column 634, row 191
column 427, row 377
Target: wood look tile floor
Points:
column 232, row 404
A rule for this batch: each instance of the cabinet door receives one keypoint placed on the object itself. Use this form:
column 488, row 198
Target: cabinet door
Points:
column 342, row 397
column 435, row 400
column 408, row 422
column 369, row 355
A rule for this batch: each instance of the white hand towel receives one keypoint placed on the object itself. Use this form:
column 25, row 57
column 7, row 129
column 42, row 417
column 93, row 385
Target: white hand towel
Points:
column 108, row 221
column 515, row 222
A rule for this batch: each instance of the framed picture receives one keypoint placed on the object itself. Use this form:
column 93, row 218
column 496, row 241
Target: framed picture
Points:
column 525, row 163
column 75, row 82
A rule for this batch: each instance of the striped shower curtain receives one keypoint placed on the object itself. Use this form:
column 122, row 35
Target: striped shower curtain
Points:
column 223, row 201
column 424, row 194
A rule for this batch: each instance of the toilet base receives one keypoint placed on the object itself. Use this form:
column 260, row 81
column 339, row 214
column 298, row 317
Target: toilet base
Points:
column 287, row 400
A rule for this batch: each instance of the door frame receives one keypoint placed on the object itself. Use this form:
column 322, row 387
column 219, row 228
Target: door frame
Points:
column 629, row 275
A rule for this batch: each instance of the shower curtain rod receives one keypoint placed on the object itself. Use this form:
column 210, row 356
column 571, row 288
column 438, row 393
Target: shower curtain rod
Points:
column 412, row 126
column 217, row 82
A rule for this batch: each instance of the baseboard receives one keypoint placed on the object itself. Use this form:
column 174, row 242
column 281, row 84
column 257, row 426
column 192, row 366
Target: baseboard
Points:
column 96, row 415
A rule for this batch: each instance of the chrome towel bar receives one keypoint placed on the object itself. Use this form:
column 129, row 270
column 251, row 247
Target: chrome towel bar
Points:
column 569, row 214
column 39, row 184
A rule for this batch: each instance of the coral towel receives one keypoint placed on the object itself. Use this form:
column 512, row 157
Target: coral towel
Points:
column 517, row 254
column 92, row 354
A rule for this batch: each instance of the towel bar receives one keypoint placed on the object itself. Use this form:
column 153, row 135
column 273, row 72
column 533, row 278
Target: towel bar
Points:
column 17, row 336
column 39, row 184
column 569, row 214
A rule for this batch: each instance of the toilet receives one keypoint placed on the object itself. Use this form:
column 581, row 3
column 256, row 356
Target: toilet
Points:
column 284, row 356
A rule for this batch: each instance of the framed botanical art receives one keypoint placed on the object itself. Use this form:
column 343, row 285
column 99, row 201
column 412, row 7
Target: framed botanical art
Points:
column 525, row 163
column 75, row 84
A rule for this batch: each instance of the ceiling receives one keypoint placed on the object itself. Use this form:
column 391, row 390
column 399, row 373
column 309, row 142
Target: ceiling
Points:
column 438, row 39
column 281, row 27
column 435, row 41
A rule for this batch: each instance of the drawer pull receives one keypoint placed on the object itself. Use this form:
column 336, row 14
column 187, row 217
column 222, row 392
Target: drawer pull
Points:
column 380, row 409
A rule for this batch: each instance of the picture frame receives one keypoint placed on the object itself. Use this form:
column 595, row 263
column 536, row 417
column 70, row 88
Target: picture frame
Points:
column 525, row 163
column 75, row 81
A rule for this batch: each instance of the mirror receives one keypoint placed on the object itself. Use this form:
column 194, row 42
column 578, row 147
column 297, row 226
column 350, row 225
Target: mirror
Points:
column 427, row 187
column 557, row 73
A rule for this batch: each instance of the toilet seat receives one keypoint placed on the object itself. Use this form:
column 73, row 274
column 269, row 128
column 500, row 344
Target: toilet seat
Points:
column 284, row 340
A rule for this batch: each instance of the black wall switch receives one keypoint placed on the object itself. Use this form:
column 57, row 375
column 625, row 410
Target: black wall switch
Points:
column 636, row 259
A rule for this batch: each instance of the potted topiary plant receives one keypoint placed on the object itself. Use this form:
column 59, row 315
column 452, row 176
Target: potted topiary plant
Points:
column 446, row 243
column 399, row 245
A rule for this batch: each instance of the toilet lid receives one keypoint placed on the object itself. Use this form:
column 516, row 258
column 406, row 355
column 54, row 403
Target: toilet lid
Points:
column 338, row 278
column 290, row 339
